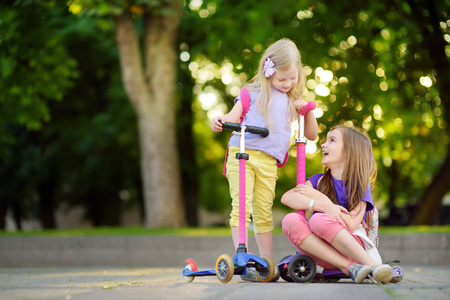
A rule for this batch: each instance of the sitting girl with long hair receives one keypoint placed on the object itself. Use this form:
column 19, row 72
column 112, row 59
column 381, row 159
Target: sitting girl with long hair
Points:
column 340, row 202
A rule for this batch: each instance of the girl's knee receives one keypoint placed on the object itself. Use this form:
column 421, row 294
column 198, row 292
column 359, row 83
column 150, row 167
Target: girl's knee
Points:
column 292, row 222
column 295, row 228
column 324, row 226
column 319, row 222
column 290, row 219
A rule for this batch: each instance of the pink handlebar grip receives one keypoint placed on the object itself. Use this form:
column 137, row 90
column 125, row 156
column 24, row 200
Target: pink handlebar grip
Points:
column 308, row 107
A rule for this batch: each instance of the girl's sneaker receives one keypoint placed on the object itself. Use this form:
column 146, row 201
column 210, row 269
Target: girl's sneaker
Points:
column 276, row 276
column 250, row 274
column 358, row 272
column 382, row 273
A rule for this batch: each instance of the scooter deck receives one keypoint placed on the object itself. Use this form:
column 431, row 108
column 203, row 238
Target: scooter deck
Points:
column 240, row 261
column 322, row 274
column 187, row 272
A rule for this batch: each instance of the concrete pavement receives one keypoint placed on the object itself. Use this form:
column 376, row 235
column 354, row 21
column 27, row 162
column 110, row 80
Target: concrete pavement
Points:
column 149, row 267
column 419, row 282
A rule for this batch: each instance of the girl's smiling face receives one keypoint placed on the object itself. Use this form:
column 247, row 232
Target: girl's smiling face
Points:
column 334, row 156
column 285, row 80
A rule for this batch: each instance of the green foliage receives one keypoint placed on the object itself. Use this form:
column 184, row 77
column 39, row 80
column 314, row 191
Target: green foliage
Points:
column 102, row 174
column 64, row 117
column 87, row 153
column 35, row 69
column 108, row 8
column 376, row 54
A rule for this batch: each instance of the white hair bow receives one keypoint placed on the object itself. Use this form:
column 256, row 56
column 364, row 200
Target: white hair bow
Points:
column 268, row 67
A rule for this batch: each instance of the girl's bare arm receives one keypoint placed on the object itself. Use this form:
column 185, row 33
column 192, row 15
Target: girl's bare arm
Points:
column 356, row 216
column 311, row 128
column 233, row 116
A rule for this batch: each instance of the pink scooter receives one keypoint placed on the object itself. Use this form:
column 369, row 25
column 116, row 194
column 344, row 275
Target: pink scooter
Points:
column 226, row 266
column 299, row 267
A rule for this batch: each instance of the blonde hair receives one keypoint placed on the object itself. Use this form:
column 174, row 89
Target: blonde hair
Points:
column 284, row 54
column 359, row 171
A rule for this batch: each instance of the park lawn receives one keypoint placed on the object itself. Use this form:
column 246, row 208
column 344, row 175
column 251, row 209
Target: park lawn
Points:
column 204, row 231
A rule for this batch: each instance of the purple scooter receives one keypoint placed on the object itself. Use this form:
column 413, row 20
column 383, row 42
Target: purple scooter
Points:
column 226, row 266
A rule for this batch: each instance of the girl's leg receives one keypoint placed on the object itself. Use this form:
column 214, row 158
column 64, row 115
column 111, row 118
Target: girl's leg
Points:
column 346, row 243
column 265, row 243
column 342, row 240
column 265, row 167
column 298, row 232
column 351, row 246
column 235, row 236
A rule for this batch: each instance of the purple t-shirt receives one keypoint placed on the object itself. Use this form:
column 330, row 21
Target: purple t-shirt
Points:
column 341, row 192
column 277, row 142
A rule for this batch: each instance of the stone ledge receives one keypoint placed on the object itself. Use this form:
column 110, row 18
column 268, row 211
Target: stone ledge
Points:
column 172, row 251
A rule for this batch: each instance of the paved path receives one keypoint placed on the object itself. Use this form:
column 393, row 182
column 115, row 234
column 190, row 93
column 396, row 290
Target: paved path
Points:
column 424, row 282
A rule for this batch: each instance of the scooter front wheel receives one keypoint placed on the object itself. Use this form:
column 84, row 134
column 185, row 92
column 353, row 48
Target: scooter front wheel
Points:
column 224, row 268
column 302, row 268
column 266, row 274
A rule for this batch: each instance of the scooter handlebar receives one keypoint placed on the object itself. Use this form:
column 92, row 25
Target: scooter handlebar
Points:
column 308, row 107
column 253, row 129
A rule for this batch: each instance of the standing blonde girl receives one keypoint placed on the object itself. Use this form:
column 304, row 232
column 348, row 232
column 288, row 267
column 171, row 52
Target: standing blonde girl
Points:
column 275, row 98
column 339, row 201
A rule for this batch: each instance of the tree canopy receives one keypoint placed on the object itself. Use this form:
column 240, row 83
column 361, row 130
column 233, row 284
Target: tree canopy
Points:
column 69, row 136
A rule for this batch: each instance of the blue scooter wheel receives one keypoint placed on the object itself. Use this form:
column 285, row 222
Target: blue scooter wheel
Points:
column 224, row 268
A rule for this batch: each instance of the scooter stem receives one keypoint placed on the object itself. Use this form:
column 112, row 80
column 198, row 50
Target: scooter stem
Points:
column 301, row 165
column 242, row 235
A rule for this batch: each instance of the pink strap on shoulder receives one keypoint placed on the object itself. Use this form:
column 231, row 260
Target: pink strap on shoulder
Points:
column 245, row 101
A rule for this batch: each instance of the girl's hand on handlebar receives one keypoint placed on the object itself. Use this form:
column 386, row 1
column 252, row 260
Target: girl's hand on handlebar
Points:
column 298, row 104
column 216, row 124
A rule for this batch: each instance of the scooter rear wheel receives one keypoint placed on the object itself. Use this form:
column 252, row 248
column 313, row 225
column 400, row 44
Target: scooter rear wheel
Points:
column 191, row 266
column 224, row 268
column 188, row 278
column 266, row 274
column 397, row 271
column 398, row 274
column 302, row 268
column 284, row 273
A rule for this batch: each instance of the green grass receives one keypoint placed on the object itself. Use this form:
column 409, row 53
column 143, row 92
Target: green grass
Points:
column 414, row 229
column 210, row 231
column 137, row 230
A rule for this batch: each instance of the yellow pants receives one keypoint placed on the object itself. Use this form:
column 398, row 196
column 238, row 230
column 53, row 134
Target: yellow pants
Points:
column 260, row 176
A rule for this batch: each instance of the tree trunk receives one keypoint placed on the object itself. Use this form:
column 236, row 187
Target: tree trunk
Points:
column 152, row 96
column 187, row 151
column 426, row 211
column 46, row 190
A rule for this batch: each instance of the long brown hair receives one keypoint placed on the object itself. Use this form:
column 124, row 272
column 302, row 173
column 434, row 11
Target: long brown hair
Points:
column 360, row 169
